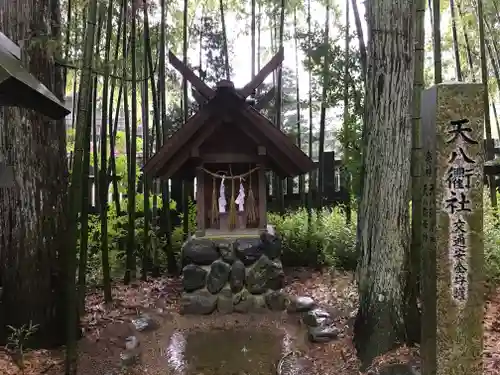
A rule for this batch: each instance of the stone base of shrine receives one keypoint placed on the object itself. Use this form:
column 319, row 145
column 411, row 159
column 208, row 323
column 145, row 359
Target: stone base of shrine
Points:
column 232, row 274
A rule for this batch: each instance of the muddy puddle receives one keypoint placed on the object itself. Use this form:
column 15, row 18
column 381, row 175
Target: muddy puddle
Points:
column 218, row 345
column 226, row 352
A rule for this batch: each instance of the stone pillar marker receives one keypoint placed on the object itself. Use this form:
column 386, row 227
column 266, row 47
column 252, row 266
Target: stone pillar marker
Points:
column 452, row 221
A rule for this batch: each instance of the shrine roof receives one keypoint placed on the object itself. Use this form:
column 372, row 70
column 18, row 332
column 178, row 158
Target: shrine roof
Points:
column 224, row 105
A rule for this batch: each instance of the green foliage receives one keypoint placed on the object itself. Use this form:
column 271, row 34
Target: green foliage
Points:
column 178, row 232
column 352, row 138
column 327, row 242
column 211, row 40
column 491, row 244
column 18, row 339
column 315, row 48
column 117, row 237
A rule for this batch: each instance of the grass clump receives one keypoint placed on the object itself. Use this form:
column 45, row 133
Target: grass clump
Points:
column 491, row 227
column 327, row 241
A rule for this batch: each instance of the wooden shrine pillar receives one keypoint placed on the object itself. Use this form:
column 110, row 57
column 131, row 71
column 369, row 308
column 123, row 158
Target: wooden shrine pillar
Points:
column 262, row 189
column 200, row 202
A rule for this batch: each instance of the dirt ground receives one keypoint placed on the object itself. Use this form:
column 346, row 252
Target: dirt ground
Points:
column 106, row 327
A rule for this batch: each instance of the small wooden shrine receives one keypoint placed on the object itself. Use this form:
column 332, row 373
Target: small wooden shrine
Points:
column 228, row 146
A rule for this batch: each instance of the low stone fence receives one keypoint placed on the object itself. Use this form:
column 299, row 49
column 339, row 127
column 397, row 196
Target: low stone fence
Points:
column 232, row 275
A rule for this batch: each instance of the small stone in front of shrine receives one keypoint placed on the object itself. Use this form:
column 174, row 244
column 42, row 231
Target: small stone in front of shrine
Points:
column 317, row 317
column 144, row 323
column 301, row 304
column 323, row 333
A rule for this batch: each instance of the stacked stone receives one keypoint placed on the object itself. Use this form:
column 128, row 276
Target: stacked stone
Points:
column 232, row 275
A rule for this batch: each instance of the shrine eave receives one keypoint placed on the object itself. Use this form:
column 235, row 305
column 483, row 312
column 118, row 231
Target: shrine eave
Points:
column 20, row 88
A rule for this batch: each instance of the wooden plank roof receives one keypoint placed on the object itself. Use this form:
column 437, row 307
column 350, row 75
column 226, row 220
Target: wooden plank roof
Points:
column 285, row 157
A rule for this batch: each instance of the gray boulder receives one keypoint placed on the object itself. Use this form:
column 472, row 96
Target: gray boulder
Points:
column 199, row 251
column 248, row 250
column 398, row 369
column 276, row 300
column 193, row 278
column 201, row 302
column 265, row 274
column 259, row 304
column 301, row 304
column 271, row 245
column 131, row 343
column 243, row 302
column 218, row 276
column 225, row 301
column 144, row 323
column 129, row 358
column 226, row 250
column 317, row 317
column 237, row 276
column 323, row 333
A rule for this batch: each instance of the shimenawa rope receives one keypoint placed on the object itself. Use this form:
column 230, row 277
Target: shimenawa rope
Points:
column 251, row 209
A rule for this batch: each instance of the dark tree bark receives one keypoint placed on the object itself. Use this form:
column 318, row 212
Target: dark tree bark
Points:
column 33, row 212
column 383, row 236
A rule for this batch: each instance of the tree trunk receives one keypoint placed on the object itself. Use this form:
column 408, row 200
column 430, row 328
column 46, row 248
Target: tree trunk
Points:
column 361, row 41
column 103, row 193
column 279, row 107
column 311, row 176
column 224, row 40
column 470, row 60
column 302, row 192
column 490, row 153
column 383, row 239
column 146, row 251
column 346, row 180
column 456, row 47
column 436, row 28
column 132, row 177
column 185, row 107
column 322, row 121
column 33, row 214
column 75, row 191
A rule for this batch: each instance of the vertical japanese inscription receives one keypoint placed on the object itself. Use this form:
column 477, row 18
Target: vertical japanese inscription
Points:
column 428, row 196
column 458, row 181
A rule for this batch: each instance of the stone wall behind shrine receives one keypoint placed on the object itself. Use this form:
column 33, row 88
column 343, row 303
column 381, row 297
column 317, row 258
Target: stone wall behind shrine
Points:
column 232, row 275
